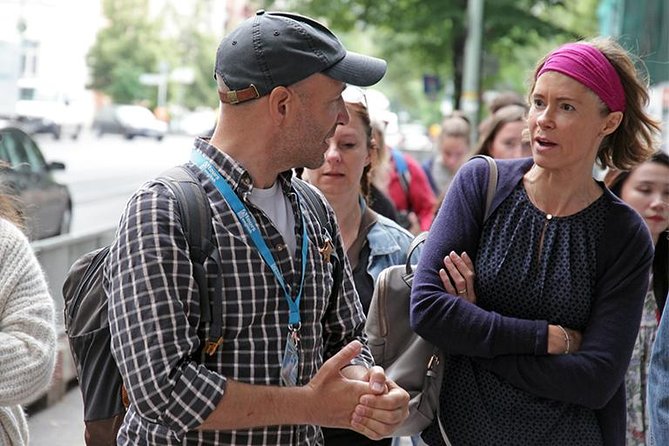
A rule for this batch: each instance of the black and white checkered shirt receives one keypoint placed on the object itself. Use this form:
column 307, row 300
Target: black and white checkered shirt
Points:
column 154, row 314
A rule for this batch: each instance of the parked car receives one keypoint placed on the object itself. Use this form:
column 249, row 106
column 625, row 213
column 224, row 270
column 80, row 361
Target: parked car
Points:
column 129, row 121
column 45, row 204
column 44, row 110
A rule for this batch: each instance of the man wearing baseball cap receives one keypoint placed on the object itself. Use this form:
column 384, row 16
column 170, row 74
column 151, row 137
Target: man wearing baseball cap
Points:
column 292, row 356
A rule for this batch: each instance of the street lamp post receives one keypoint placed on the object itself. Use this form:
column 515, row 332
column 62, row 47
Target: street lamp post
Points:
column 472, row 64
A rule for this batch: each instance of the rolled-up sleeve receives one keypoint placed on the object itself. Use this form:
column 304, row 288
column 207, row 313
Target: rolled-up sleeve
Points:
column 154, row 315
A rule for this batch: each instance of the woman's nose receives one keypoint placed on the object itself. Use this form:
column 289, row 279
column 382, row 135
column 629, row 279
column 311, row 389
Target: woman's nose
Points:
column 545, row 118
column 659, row 201
column 332, row 154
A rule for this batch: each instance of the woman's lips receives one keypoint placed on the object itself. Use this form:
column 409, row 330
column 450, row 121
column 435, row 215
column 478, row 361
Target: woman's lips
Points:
column 544, row 142
column 658, row 219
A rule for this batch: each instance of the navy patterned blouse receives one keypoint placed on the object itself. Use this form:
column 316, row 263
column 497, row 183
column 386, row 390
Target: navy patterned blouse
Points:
column 587, row 271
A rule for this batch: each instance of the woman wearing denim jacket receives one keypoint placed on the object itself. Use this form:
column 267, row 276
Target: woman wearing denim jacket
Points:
column 658, row 384
column 372, row 241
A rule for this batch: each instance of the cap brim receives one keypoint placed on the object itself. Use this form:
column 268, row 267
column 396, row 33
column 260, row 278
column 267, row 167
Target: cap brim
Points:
column 358, row 69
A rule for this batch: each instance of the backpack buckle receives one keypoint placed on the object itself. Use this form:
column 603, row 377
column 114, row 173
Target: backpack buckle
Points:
column 210, row 347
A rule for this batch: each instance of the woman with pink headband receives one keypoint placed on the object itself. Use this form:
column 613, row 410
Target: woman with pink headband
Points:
column 537, row 304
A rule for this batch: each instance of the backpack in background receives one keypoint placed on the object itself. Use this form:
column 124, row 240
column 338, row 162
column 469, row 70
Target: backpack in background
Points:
column 412, row 362
column 86, row 312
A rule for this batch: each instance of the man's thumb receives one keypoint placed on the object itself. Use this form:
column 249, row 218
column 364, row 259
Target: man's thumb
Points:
column 343, row 357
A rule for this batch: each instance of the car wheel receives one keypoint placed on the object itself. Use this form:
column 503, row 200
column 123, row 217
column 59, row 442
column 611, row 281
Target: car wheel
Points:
column 129, row 136
column 66, row 221
column 159, row 138
column 57, row 131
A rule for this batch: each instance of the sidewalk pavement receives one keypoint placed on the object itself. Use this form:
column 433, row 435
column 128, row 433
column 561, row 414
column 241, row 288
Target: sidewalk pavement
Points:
column 62, row 424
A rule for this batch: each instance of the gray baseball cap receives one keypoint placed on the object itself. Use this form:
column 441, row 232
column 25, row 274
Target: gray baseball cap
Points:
column 274, row 49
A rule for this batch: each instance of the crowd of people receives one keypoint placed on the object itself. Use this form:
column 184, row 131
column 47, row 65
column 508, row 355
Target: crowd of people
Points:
column 548, row 308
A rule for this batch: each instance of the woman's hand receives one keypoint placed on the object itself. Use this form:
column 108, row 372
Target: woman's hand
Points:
column 458, row 275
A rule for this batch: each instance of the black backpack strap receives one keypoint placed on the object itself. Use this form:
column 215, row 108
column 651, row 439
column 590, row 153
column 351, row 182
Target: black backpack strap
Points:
column 315, row 203
column 196, row 219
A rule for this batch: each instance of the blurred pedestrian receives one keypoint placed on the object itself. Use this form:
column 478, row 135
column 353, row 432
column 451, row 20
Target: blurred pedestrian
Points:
column 27, row 332
column 452, row 146
column 658, row 384
column 503, row 136
column 292, row 356
column 646, row 189
column 500, row 100
column 372, row 242
column 542, row 301
column 410, row 191
column 379, row 175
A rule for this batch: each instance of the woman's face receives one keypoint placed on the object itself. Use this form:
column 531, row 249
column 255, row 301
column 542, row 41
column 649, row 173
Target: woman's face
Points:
column 345, row 159
column 453, row 151
column 507, row 143
column 647, row 191
column 566, row 123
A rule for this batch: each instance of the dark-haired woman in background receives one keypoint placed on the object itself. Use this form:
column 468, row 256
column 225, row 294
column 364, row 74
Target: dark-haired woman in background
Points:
column 646, row 189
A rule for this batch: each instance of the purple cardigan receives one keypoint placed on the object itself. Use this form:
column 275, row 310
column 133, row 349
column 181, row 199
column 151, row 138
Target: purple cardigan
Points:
column 516, row 349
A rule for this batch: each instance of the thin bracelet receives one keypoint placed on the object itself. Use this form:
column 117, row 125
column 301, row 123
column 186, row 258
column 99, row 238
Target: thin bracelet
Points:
column 566, row 338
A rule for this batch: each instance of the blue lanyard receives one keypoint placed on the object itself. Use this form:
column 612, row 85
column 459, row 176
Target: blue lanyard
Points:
column 251, row 227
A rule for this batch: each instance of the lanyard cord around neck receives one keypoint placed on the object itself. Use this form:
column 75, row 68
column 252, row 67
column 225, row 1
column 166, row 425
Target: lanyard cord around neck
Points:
column 250, row 225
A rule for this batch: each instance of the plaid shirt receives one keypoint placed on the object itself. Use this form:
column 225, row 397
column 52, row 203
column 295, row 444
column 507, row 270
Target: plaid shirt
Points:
column 154, row 314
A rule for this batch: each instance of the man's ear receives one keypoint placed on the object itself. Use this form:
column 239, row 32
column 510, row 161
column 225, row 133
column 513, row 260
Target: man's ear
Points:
column 613, row 120
column 279, row 102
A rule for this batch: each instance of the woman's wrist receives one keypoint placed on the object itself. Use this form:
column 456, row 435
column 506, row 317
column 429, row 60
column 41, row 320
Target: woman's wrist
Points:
column 559, row 340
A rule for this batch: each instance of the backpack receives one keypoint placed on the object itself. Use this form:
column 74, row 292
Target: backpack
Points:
column 86, row 304
column 86, row 309
column 412, row 362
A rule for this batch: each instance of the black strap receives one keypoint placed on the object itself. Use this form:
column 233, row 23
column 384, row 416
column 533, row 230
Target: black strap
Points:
column 196, row 220
column 315, row 203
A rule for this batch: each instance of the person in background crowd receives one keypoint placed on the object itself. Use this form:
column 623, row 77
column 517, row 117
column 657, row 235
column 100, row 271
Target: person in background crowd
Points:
column 503, row 138
column 27, row 331
column 500, row 100
column 293, row 357
column 410, row 191
column 452, row 146
column 379, row 177
column 372, row 242
column 646, row 189
column 541, row 307
column 658, row 384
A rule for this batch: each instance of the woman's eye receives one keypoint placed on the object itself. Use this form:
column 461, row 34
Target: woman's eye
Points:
column 568, row 107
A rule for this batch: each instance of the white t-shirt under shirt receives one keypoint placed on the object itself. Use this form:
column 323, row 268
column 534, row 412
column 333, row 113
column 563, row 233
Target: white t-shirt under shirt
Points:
column 277, row 207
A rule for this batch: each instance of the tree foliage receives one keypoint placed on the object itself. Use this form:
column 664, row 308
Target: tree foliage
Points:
column 129, row 46
column 193, row 47
column 132, row 44
column 428, row 36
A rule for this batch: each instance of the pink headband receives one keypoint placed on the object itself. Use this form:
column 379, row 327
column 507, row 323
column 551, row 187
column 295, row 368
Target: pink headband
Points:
column 590, row 67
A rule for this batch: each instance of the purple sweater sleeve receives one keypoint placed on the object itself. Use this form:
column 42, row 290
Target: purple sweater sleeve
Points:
column 453, row 324
column 591, row 376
